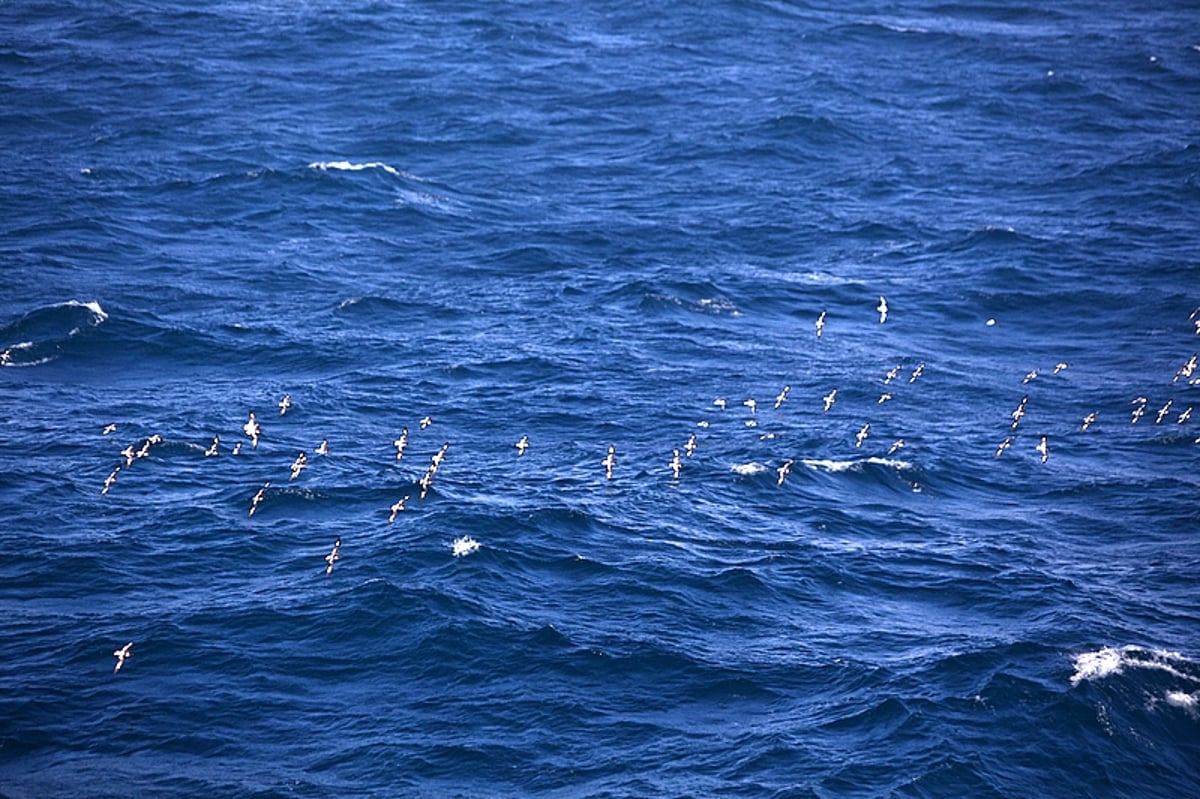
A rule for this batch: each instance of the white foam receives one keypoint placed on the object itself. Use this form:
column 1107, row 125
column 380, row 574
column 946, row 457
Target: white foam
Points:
column 463, row 546
column 1108, row 661
column 748, row 468
column 1184, row 700
column 1095, row 665
column 349, row 166
column 822, row 464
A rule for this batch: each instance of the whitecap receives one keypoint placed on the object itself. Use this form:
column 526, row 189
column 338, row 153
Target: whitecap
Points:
column 463, row 546
column 99, row 313
column 824, row 464
column 1184, row 700
column 1108, row 661
column 349, row 166
column 1095, row 665
column 748, row 468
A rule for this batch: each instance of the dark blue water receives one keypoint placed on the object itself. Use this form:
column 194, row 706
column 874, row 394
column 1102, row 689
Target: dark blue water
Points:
column 583, row 223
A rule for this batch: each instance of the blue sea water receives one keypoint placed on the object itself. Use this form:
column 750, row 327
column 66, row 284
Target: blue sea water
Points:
column 583, row 223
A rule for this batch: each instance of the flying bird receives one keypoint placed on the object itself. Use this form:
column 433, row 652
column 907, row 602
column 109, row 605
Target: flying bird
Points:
column 334, row 556
column 121, row 655
column 1044, row 449
column 862, row 435
column 108, row 428
column 782, row 396
column 397, row 507
column 522, row 445
column 883, row 310
column 820, row 324
column 829, row 399
column 783, row 471
column 609, row 461
column 676, row 464
column 284, row 404
column 1088, row 421
column 253, row 430
column 259, row 497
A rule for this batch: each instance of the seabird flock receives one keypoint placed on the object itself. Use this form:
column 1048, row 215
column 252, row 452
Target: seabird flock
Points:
column 466, row 545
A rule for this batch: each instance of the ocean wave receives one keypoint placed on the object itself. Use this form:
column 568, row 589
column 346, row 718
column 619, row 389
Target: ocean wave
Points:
column 40, row 335
column 1109, row 661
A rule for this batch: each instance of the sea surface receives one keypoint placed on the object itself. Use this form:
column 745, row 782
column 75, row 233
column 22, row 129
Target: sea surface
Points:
column 587, row 224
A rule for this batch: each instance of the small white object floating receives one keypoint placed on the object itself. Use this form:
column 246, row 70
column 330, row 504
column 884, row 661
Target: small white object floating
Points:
column 464, row 546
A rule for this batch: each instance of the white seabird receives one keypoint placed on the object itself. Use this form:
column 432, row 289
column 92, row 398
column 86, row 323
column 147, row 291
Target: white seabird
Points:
column 883, row 310
column 121, row 655
column 920, row 370
column 884, row 397
column 1140, row 410
column 690, row 446
column 322, row 448
column 820, row 324
column 108, row 428
column 676, row 464
column 1019, row 413
column 298, row 465
column 752, row 404
column 782, row 396
column 397, row 507
column 829, row 399
column 259, row 497
column 892, row 374
column 1164, row 411
column 1088, row 421
column 426, row 421
column 1186, row 370
column 522, row 445
column 1183, row 417
column 1058, row 367
column 237, row 448
column 1031, row 376
column 1044, row 449
column 610, row 460
column 783, row 471
column 720, row 403
column 284, row 404
column 214, row 448
column 1005, row 444
column 129, row 455
column 862, row 435
column 253, row 430
column 400, row 443
column 108, row 481
column 334, row 556
column 896, row 446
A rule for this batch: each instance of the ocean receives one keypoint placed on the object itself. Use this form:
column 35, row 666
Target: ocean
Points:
column 851, row 348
